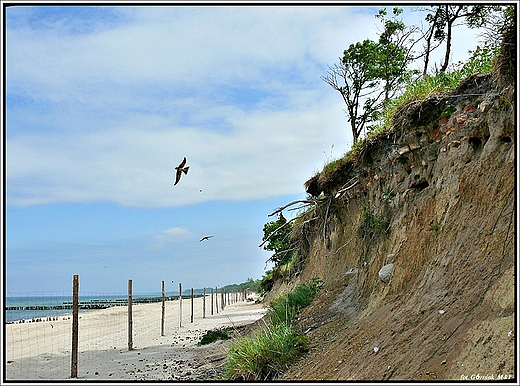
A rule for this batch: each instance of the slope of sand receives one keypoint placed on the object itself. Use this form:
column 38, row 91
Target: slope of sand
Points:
column 42, row 350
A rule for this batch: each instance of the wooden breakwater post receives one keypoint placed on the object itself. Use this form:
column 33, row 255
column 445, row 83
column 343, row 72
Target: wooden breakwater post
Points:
column 191, row 316
column 130, row 334
column 75, row 330
column 204, row 304
column 180, row 305
column 163, row 309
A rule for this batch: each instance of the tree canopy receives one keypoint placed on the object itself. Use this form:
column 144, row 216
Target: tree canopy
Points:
column 370, row 73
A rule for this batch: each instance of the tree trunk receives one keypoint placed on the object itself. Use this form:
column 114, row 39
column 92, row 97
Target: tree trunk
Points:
column 429, row 42
column 449, row 27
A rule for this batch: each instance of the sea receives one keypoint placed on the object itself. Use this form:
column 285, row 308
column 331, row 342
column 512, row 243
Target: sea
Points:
column 46, row 302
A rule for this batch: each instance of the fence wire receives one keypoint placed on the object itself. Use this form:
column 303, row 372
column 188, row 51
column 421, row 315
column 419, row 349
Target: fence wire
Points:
column 38, row 330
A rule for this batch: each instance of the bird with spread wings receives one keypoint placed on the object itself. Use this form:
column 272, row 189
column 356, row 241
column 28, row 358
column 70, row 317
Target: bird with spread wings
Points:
column 180, row 169
column 205, row 238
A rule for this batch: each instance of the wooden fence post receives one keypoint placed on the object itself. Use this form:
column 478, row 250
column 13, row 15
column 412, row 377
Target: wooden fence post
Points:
column 216, row 299
column 211, row 301
column 180, row 305
column 191, row 316
column 204, row 304
column 163, row 306
column 130, row 334
column 75, row 319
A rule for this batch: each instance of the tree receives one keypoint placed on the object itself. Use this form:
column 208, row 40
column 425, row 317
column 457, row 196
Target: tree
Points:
column 442, row 20
column 396, row 44
column 277, row 238
column 370, row 72
column 431, row 40
column 355, row 78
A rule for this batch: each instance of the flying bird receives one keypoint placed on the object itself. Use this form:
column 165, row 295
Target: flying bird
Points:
column 205, row 238
column 181, row 169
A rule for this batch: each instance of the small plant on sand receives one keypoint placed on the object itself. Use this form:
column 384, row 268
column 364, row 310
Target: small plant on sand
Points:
column 211, row 336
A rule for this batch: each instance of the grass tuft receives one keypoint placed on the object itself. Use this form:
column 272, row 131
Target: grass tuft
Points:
column 271, row 349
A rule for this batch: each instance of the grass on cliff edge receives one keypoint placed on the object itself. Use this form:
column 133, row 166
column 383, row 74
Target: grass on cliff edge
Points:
column 269, row 351
column 483, row 60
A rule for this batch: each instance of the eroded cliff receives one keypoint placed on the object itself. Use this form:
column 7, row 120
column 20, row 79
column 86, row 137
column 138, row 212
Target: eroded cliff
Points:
column 432, row 201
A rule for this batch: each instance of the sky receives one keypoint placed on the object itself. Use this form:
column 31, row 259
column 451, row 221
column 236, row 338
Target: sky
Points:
column 101, row 104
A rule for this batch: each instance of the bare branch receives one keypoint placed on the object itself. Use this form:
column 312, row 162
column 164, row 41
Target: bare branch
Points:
column 292, row 203
column 343, row 190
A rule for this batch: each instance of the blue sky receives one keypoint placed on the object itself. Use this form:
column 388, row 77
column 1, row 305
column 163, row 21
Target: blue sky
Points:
column 103, row 102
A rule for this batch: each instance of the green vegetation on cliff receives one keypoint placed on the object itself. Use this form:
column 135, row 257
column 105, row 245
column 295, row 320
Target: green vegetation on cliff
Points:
column 269, row 351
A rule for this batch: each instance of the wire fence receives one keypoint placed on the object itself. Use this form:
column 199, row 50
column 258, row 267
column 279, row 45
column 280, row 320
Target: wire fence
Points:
column 40, row 326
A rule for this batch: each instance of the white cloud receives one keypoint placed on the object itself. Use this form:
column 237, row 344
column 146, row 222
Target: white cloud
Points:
column 108, row 113
column 263, row 153
column 172, row 235
column 216, row 45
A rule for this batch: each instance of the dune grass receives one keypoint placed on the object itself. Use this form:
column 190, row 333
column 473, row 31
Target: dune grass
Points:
column 269, row 351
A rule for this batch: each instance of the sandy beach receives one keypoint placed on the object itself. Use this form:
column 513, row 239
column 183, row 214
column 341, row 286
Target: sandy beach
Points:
column 42, row 350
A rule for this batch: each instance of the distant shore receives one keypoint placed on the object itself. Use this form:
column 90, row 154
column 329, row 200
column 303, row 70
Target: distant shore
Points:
column 42, row 350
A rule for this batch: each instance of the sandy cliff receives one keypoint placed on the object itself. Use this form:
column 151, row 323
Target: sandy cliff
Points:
column 432, row 201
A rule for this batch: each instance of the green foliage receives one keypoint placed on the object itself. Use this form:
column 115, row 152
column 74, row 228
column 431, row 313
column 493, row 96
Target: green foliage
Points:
column 285, row 308
column 214, row 335
column 264, row 355
column 278, row 236
column 448, row 110
column 330, row 166
column 480, row 62
column 388, row 194
column 249, row 284
column 281, row 271
column 270, row 350
column 267, row 281
column 374, row 224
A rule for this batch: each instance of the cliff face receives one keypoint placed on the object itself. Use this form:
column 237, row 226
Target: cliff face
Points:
column 433, row 202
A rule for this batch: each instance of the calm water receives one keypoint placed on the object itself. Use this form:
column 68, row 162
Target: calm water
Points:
column 54, row 300
column 32, row 301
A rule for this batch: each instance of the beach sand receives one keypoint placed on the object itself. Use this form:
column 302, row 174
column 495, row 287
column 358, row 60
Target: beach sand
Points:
column 42, row 350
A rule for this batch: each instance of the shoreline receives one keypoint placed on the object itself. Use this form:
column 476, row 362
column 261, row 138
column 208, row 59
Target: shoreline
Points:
column 42, row 350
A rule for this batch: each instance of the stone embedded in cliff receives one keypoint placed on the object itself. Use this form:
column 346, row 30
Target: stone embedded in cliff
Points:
column 404, row 150
column 385, row 273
